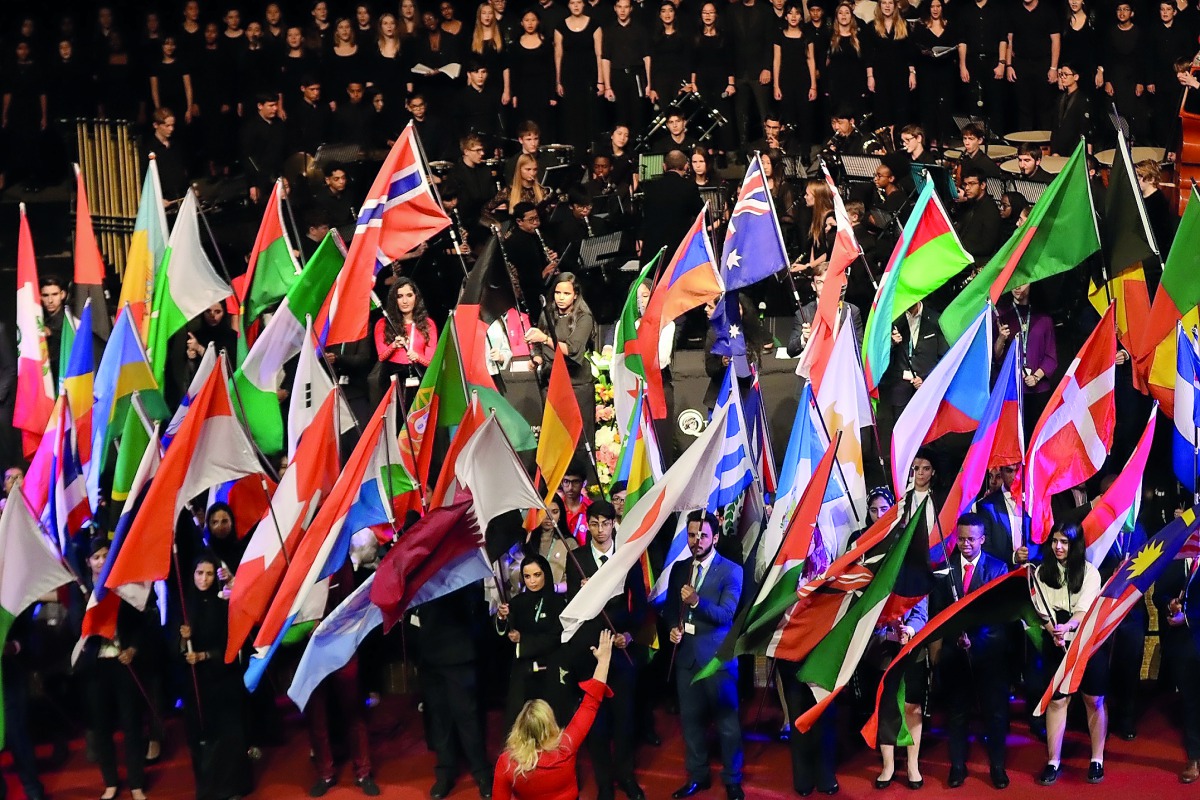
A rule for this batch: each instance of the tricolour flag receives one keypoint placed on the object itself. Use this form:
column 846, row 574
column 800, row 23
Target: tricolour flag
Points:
column 562, row 425
column 1117, row 509
column 1073, row 436
column 1185, row 444
column 927, row 254
column 89, row 265
column 487, row 296
column 35, row 384
column 951, row 400
column 68, row 511
column 753, row 242
column 398, row 213
column 147, row 246
column 273, row 267
column 79, row 386
column 627, row 372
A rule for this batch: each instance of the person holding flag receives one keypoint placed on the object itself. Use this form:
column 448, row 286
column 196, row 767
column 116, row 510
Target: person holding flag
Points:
column 567, row 325
column 1176, row 597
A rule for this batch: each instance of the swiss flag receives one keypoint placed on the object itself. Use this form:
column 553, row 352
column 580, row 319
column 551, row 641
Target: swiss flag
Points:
column 1073, row 436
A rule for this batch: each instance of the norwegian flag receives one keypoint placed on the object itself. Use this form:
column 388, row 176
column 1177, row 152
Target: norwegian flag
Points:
column 753, row 242
column 399, row 213
column 1073, row 436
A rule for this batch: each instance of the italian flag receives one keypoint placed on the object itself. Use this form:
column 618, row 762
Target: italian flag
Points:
column 146, row 249
column 185, row 286
column 927, row 255
column 35, row 384
column 257, row 380
column 28, row 568
column 627, row 372
column 273, row 266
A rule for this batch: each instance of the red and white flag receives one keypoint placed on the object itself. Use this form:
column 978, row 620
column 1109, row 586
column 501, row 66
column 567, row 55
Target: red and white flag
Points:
column 1073, row 436
column 35, row 384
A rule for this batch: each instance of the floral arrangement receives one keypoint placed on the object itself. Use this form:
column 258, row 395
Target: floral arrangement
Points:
column 608, row 437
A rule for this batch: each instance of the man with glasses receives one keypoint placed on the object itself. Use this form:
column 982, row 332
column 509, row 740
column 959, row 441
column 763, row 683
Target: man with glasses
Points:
column 1072, row 113
column 474, row 180
column 576, row 501
column 973, row 664
column 976, row 218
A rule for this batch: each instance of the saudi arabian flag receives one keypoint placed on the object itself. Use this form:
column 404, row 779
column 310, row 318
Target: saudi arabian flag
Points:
column 28, row 568
column 927, row 255
column 258, row 379
column 186, row 285
column 273, row 267
column 627, row 372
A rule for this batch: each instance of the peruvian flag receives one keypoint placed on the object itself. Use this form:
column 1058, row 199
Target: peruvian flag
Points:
column 210, row 448
column 1073, row 437
column 35, row 384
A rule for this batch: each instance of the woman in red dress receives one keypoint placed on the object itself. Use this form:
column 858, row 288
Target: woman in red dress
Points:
column 539, row 758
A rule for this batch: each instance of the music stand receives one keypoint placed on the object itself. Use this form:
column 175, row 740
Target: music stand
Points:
column 650, row 165
column 715, row 198
column 1030, row 190
column 598, row 251
column 860, row 167
column 338, row 154
column 793, row 168
column 996, row 188
column 559, row 177
column 943, row 180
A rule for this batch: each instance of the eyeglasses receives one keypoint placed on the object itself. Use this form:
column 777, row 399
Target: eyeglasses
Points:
column 971, row 182
column 572, row 481
column 603, row 524
column 1063, row 73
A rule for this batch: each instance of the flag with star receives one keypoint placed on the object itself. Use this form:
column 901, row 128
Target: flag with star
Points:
column 1123, row 591
column 726, row 322
column 753, row 242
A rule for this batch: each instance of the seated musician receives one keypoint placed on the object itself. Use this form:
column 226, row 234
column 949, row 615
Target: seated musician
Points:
column 775, row 137
column 523, row 188
column 1029, row 162
column 530, row 137
column 912, row 138
column 534, row 262
column 476, row 186
column 976, row 217
column 579, row 224
column 675, row 137
column 847, row 139
column 891, row 197
column 603, row 183
column 432, row 130
column 973, row 155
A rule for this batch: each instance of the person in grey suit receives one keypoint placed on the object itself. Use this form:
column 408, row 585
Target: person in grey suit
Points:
column 702, row 598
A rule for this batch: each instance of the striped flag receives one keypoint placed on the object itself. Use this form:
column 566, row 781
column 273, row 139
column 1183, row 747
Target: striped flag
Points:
column 562, row 425
column 89, row 265
column 147, row 246
column 35, row 385
column 1117, row 509
column 735, row 470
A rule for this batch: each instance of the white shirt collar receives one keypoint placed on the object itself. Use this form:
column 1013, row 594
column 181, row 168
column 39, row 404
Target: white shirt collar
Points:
column 612, row 548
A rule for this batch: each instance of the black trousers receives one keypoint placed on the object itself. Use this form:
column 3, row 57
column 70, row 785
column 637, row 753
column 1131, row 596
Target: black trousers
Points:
column 978, row 681
column 451, row 699
column 18, row 739
column 1035, row 96
column 715, row 698
column 629, row 105
column 814, row 754
column 113, row 699
column 985, row 96
column 613, row 738
column 1125, row 672
column 1183, row 658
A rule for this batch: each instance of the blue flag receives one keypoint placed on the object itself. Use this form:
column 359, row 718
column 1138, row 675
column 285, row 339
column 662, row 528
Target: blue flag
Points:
column 753, row 242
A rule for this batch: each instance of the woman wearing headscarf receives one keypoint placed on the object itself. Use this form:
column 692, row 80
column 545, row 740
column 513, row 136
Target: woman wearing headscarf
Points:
column 213, row 709
column 533, row 625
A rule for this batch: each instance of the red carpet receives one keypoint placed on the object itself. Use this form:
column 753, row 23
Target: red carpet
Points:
column 1143, row 768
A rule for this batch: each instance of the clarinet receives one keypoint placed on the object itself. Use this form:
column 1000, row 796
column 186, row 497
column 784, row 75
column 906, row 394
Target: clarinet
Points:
column 587, row 222
column 545, row 249
column 513, row 278
column 458, row 233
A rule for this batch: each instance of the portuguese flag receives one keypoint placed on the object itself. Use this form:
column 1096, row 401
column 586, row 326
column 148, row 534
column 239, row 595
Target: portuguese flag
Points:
column 273, row 266
column 1058, row 235
column 927, row 255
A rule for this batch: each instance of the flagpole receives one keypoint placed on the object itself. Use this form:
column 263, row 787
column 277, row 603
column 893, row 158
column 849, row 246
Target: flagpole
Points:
column 575, row 560
column 836, row 463
column 1026, row 516
column 237, row 395
column 287, row 203
column 217, row 249
column 387, row 455
column 183, row 612
column 398, row 386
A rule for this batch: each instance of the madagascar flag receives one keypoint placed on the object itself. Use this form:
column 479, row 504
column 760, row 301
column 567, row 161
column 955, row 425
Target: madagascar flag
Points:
column 562, row 425
column 1059, row 234
column 273, row 266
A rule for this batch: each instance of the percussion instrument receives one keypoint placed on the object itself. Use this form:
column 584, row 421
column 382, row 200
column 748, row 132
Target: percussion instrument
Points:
column 441, row 168
column 996, row 152
column 109, row 160
column 302, row 168
column 1157, row 154
column 1028, row 137
column 560, row 153
column 1051, row 164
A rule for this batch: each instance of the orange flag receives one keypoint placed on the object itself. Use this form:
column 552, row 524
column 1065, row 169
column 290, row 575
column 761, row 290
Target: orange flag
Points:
column 562, row 425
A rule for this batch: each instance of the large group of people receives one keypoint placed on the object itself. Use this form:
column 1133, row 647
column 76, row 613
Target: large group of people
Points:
column 546, row 125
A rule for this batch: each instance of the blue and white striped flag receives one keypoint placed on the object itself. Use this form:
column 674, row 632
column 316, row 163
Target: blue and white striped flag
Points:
column 735, row 470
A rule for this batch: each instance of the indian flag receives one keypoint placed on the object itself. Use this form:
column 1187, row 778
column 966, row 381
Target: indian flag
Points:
column 146, row 249
column 273, row 266
column 185, row 286
column 28, row 568
column 927, row 255
column 627, row 372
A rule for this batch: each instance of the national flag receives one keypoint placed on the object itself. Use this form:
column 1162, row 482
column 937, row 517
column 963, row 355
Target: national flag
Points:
column 760, row 437
column 1059, row 234
column 89, row 265
column 398, row 213
column 35, row 385
column 309, row 478
column 845, row 407
column 831, row 664
column 210, row 448
column 28, row 568
column 131, row 444
column 273, row 266
column 261, row 373
column 184, row 286
column 38, row 482
column 639, row 464
column 726, row 322
column 628, row 375
column 147, row 246
column 488, row 467
column 447, row 487
column 1005, row 599
column 362, row 498
column 951, row 400
column 124, row 369
column 735, row 469
column 68, row 511
column 208, row 362
column 486, row 297
column 753, row 242
column 310, row 386
column 1073, row 436
column 562, row 425
column 678, row 491
column 1123, row 591
column 999, row 441
column 1185, row 444
column 1117, row 509
column 689, row 280
column 78, row 384
column 927, row 254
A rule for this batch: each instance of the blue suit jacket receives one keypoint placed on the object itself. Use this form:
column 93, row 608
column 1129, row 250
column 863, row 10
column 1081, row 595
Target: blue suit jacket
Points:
column 719, row 593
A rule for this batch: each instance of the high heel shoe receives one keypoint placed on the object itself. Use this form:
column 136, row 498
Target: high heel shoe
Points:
column 917, row 784
column 881, row 783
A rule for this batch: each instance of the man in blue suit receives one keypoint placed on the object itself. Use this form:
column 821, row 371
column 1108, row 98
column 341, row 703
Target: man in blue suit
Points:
column 702, row 598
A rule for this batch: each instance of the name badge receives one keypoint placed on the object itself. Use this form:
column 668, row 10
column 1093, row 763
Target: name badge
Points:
column 907, row 375
column 343, row 380
column 689, row 628
column 411, row 381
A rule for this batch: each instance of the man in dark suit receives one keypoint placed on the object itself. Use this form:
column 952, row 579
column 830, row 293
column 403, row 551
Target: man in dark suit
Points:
column 1003, row 518
column 669, row 207
column 613, row 736
column 802, row 323
column 1177, row 597
column 702, row 598
column 973, row 670
column 917, row 347
column 976, row 217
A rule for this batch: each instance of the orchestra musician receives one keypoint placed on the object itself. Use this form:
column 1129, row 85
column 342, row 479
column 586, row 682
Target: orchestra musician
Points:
column 524, row 188
column 846, row 139
column 534, row 262
column 579, row 224
column 973, row 155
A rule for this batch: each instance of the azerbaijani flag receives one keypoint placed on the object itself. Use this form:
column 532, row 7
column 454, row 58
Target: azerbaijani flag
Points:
column 273, row 267
column 35, row 384
column 146, row 249
column 927, row 255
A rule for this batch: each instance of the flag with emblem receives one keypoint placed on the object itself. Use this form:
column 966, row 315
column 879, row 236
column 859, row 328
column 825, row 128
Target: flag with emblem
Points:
column 845, row 408
column 35, row 384
column 753, row 242
column 1073, row 436
column 627, row 372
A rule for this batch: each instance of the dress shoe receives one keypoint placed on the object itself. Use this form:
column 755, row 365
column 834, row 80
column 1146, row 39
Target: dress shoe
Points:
column 733, row 791
column 368, row 786
column 631, row 790
column 958, row 776
column 690, row 788
column 322, row 786
column 1049, row 774
column 883, row 783
column 999, row 778
column 917, row 784
column 1191, row 773
column 1095, row 772
column 831, row 790
column 440, row 789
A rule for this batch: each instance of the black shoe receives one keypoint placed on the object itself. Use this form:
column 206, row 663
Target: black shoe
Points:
column 999, row 778
column 368, row 786
column 1049, row 774
column 917, row 784
column 322, row 786
column 440, row 789
column 805, row 792
column 690, row 788
column 733, row 791
column 832, row 790
column 1095, row 772
column 880, row 783
column 631, row 790
column 958, row 776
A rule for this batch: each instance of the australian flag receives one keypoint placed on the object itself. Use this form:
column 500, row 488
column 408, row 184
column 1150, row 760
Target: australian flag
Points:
column 753, row 242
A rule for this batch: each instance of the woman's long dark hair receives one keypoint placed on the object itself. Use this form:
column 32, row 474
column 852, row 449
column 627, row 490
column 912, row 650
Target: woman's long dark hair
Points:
column 578, row 308
column 395, row 320
column 1048, row 572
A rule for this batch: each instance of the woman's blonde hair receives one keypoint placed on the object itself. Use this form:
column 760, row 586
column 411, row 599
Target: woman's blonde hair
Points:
column 477, row 39
column 534, row 732
column 515, row 194
column 836, row 41
column 899, row 26
column 1148, row 170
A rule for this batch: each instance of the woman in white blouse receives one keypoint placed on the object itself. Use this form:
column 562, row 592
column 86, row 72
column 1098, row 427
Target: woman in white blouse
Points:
column 1064, row 586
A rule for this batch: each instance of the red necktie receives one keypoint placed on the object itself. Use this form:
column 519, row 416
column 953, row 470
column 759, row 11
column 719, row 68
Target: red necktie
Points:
column 968, row 573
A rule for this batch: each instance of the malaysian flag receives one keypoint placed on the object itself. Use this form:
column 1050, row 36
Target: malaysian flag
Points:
column 753, row 242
